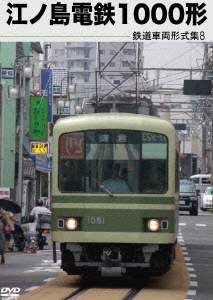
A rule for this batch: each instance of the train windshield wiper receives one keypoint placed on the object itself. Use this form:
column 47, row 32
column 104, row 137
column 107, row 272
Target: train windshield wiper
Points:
column 103, row 188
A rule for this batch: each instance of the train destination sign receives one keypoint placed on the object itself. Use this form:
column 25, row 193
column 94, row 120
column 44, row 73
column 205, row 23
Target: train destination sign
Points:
column 39, row 148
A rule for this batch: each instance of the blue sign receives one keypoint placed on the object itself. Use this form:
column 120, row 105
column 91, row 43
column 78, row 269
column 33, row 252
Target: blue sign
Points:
column 47, row 90
column 42, row 162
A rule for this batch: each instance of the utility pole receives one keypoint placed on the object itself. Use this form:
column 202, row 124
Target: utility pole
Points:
column 205, row 74
column 211, row 145
column 211, row 152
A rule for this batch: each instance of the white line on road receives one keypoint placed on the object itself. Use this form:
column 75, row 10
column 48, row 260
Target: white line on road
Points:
column 191, row 292
column 192, row 275
column 32, row 288
column 193, row 283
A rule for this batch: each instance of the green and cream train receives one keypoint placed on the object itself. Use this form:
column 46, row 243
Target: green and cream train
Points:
column 107, row 231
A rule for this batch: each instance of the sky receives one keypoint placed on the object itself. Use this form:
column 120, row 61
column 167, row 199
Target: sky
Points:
column 173, row 55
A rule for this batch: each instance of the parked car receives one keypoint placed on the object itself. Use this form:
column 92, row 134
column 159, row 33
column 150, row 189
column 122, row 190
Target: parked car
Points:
column 188, row 199
column 201, row 181
column 206, row 199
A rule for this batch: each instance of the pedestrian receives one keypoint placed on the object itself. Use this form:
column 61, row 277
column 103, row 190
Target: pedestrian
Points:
column 30, row 230
column 10, row 220
column 3, row 222
column 48, row 202
column 39, row 209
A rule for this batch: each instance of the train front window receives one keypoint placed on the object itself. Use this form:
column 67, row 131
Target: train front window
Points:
column 112, row 161
column 154, row 163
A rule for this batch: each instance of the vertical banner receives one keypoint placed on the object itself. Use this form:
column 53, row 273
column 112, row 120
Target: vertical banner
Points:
column 38, row 118
column 47, row 90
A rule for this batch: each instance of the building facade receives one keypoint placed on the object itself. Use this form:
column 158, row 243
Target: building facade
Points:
column 83, row 61
column 17, row 171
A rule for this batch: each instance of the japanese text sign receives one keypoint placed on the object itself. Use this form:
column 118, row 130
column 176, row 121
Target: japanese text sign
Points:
column 38, row 118
column 123, row 20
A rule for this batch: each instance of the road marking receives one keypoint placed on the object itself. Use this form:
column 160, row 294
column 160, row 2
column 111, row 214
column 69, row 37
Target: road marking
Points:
column 187, row 258
column 191, row 293
column 48, row 279
column 190, row 269
column 46, row 266
column 198, row 225
column 50, row 262
column 32, row 288
column 192, row 275
column 193, row 283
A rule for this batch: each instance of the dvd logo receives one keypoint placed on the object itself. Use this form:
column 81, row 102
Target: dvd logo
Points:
column 6, row 291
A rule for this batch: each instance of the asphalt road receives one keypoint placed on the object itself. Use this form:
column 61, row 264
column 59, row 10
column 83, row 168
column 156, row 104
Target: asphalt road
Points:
column 28, row 271
column 196, row 237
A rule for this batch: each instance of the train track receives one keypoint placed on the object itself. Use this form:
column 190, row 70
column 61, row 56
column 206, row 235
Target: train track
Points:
column 130, row 295
column 76, row 294
column 173, row 285
column 81, row 294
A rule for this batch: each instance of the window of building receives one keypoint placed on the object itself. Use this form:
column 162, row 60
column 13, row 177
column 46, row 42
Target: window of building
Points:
column 86, row 77
column 86, row 53
column 70, row 64
column 60, row 64
column 125, row 63
column 116, row 81
column 129, row 51
column 80, row 51
column 59, row 51
column 112, row 64
column 124, row 76
column 86, row 65
column 112, row 52
column 70, row 53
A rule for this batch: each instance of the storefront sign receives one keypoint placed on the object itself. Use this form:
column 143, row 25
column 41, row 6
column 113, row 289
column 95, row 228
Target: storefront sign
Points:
column 38, row 118
column 4, row 192
column 39, row 148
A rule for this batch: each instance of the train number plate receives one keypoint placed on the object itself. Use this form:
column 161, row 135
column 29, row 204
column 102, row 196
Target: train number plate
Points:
column 93, row 220
column 182, row 202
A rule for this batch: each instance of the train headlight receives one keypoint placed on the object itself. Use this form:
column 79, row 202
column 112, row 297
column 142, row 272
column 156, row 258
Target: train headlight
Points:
column 71, row 223
column 153, row 225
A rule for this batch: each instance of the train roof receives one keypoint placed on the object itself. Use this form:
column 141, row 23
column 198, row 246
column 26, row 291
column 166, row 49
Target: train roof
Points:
column 114, row 121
